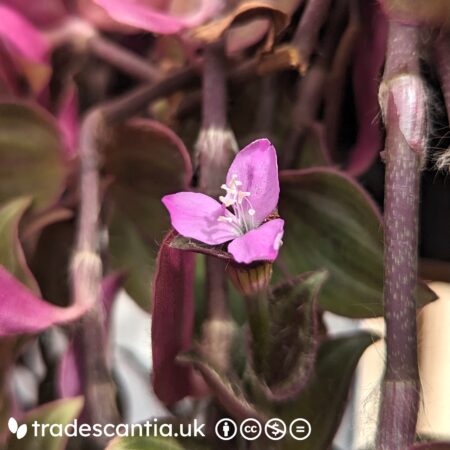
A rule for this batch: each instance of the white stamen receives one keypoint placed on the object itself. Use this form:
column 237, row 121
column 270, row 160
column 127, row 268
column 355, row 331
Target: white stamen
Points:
column 242, row 217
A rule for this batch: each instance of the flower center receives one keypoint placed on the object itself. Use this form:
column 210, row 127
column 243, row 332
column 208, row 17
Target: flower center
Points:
column 242, row 217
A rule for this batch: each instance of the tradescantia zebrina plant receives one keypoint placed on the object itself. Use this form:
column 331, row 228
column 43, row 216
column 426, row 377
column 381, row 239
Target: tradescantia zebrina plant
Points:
column 208, row 158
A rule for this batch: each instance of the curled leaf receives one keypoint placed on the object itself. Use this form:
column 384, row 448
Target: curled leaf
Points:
column 228, row 392
column 173, row 323
column 295, row 331
column 368, row 62
column 183, row 243
column 323, row 400
column 244, row 11
column 11, row 253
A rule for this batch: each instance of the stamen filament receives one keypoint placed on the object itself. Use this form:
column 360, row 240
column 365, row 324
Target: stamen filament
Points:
column 243, row 218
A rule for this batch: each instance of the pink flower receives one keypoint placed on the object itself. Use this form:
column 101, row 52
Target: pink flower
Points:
column 242, row 216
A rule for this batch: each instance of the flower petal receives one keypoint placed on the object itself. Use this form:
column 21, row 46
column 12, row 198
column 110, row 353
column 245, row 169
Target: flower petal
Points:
column 196, row 216
column 256, row 167
column 261, row 244
column 141, row 14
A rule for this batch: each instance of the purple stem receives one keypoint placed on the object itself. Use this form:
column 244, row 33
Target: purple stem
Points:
column 402, row 97
column 307, row 34
column 86, row 274
column 265, row 115
column 216, row 145
column 337, row 76
column 122, row 58
column 214, row 148
column 214, row 110
column 309, row 98
column 312, row 87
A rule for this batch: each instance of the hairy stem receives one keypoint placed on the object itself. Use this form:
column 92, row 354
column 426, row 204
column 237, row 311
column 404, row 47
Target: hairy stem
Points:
column 218, row 329
column 86, row 274
column 214, row 114
column 311, row 90
column 216, row 145
column 214, row 150
column 259, row 321
column 402, row 98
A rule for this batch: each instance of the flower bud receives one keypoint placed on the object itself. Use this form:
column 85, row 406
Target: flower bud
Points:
column 250, row 279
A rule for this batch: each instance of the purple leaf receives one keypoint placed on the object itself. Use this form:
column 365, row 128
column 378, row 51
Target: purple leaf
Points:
column 145, row 161
column 159, row 17
column 40, row 13
column 22, row 35
column 369, row 59
column 172, row 323
column 27, row 51
column 21, row 312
